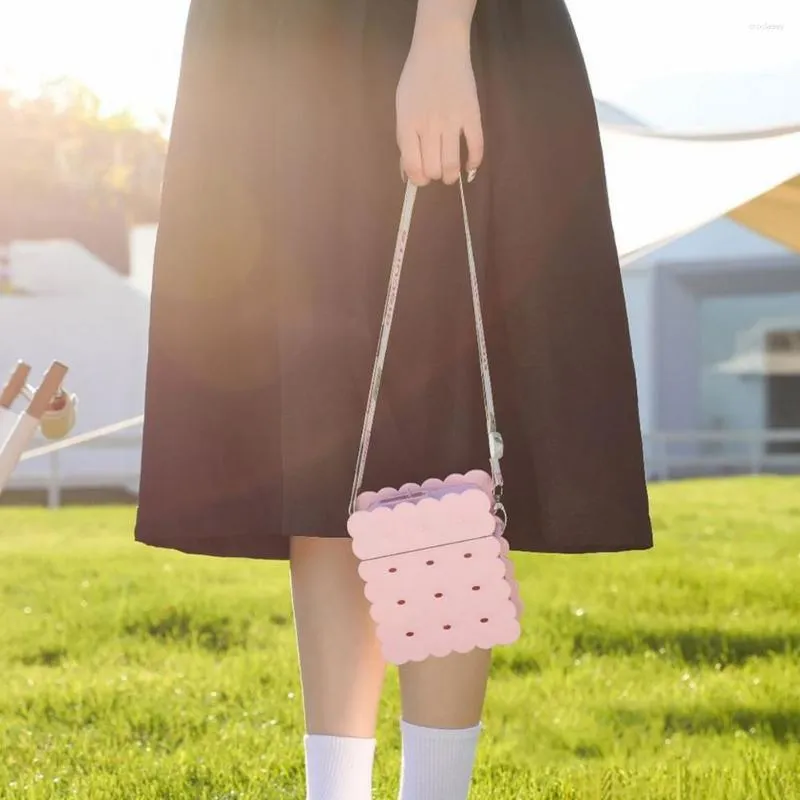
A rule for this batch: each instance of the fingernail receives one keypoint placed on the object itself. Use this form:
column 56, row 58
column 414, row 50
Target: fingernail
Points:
column 471, row 175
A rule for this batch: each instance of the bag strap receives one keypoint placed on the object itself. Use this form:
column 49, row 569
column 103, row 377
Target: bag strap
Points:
column 495, row 440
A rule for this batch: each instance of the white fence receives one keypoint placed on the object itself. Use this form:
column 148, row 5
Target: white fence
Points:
column 668, row 455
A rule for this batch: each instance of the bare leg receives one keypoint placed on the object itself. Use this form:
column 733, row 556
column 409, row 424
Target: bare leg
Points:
column 341, row 669
column 446, row 692
column 341, row 666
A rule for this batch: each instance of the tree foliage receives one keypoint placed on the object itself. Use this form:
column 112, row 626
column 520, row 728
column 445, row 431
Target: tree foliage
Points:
column 68, row 171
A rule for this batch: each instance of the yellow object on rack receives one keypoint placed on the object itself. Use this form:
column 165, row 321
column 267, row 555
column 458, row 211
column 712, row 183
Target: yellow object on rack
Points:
column 59, row 419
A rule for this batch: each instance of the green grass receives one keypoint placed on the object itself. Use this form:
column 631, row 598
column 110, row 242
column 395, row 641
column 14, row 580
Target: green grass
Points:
column 668, row 675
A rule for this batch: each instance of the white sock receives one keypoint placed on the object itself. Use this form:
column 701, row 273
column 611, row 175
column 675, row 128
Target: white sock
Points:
column 339, row 768
column 437, row 764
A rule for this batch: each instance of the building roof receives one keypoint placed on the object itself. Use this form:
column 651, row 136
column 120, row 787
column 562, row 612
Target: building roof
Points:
column 609, row 114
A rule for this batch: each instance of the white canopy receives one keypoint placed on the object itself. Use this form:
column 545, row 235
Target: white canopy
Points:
column 664, row 185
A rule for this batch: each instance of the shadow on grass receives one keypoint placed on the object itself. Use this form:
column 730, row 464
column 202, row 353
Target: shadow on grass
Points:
column 175, row 625
column 44, row 657
column 695, row 646
column 507, row 661
column 782, row 725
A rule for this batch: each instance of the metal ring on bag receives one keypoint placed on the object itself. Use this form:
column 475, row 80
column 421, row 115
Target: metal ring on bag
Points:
column 500, row 512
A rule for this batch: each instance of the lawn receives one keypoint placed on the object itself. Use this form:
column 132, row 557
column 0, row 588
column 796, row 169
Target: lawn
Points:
column 669, row 675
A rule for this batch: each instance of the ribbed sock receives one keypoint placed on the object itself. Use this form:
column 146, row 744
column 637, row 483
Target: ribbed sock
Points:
column 437, row 764
column 339, row 767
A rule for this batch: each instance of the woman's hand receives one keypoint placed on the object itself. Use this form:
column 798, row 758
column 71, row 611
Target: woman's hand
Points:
column 437, row 99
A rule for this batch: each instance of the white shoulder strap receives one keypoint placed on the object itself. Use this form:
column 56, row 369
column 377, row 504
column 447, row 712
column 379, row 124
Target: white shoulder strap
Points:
column 495, row 440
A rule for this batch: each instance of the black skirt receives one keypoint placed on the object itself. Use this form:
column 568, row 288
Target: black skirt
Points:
column 281, row 202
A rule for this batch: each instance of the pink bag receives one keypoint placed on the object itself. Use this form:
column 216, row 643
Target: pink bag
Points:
column 433, row 556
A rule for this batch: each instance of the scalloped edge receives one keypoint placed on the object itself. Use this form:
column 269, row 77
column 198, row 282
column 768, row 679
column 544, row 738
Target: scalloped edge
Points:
column 480, row 478
column 462, row 651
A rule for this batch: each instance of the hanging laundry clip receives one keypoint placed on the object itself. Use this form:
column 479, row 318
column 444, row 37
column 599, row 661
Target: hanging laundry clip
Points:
column 50, row 409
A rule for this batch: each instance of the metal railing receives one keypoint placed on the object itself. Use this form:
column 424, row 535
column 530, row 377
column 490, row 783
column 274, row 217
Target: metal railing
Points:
column 674, row 454
column 54, row 479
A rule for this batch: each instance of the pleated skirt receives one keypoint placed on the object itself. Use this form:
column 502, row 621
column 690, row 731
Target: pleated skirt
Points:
column 280, row 208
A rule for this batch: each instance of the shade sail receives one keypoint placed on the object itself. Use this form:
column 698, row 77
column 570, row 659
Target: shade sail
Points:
column 664, row 185
column 775, row 214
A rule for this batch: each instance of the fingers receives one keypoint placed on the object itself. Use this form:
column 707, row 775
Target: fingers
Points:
column 431, row 142
column 473, row 133
column 451, row 157
column 411, row 158
column 435, row 155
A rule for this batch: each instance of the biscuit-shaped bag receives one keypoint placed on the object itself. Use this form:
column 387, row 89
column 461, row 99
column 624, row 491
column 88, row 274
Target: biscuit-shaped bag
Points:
column 433, row 557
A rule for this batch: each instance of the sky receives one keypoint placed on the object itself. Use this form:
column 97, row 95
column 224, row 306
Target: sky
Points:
column 677, row 64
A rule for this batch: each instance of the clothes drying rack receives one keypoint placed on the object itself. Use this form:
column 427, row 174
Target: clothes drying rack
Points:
column 50, row 410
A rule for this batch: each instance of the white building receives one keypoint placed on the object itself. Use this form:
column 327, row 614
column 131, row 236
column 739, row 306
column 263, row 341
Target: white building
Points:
column 715, row 324
column 66, row 305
